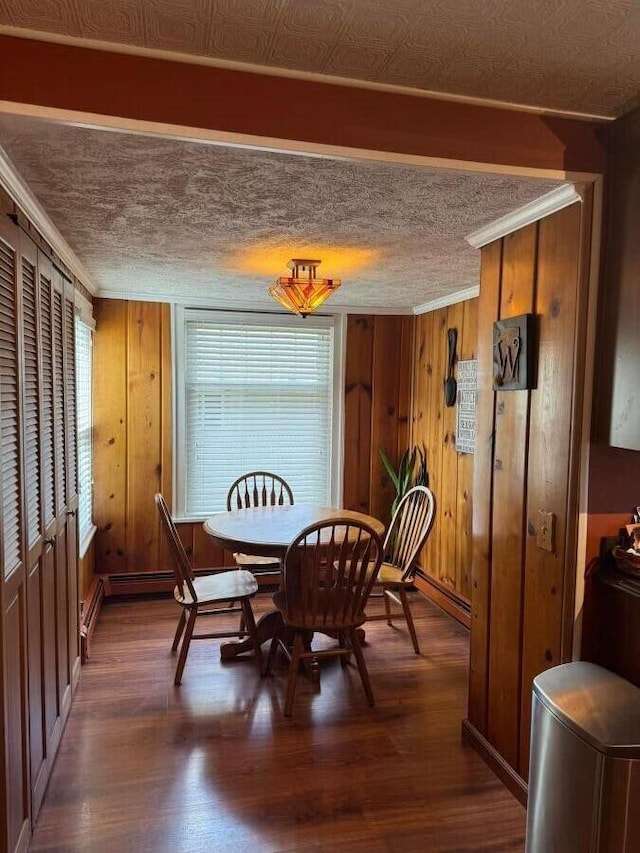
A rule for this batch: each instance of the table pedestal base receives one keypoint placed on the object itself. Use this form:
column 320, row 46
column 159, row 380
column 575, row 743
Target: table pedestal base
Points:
column 266, row 628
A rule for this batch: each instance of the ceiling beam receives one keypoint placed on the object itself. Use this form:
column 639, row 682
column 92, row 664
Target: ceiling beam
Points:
column 144, row 93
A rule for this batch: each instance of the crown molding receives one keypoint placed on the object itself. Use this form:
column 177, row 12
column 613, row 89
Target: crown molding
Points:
column 449, row 299
column 547, row 204
column 244, row 305
column 279, row 71
column 15, row 185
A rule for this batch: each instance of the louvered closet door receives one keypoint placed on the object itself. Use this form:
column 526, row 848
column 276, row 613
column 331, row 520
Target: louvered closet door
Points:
column 12, row 547
column 70, row 404
column 60, row 441
column 52, row 710
column 37, row 603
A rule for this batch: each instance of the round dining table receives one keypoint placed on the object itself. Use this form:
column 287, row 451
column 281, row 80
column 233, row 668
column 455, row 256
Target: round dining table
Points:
column 267, row 531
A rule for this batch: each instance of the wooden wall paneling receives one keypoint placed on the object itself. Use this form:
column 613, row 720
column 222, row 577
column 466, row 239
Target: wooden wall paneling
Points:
column 508, row 516
column 446, row 557
column 387, row 344
column 110, row 406
column 144, row 433
column 357, row 414
column 464, row 506
column 208, row 554
column 435, row 432
column 166, row 426
column 448, row 492
column 405, row 368
column 13, row 578
column 548, row 472
column 423, row 422
column 488, row 307
column 86, row 571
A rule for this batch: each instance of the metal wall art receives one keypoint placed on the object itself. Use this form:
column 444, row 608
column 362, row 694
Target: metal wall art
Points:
column 513, row 368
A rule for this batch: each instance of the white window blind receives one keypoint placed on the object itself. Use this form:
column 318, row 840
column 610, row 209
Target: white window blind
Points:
column 84, row 346
column 258, row 395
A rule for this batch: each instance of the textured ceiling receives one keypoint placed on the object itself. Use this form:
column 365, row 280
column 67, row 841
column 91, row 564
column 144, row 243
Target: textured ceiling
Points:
column 580, row 55
column 159, row 217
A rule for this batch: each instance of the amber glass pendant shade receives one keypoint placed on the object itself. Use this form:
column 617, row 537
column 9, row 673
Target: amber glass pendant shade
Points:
column 303, row 293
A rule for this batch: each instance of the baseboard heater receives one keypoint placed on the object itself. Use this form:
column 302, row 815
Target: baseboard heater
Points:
column 90, row 612
column 141, row 583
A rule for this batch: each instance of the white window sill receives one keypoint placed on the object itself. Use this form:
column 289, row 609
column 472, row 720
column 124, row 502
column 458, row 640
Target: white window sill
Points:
column 88, row 539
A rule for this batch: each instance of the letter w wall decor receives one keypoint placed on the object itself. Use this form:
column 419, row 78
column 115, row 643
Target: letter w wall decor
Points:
column 513, row 353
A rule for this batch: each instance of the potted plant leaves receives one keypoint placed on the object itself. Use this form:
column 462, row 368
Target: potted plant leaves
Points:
column 412, row 471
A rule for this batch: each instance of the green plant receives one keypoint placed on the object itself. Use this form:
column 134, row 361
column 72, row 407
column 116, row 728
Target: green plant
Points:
column 412, row 471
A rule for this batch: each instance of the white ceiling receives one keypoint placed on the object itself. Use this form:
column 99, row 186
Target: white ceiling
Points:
column 158, row 218
column 576, row 55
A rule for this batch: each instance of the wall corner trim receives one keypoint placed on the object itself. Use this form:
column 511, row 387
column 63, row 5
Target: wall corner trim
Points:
column 15, row 185
column 449, row 299
column 547, row 204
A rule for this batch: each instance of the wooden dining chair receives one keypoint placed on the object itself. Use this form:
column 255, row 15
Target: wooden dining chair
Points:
column 199, row 596
column 328, row 573
column 410, row 527
column 259, row 488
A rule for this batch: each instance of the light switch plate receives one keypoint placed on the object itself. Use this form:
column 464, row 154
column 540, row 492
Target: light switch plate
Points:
column 546, row 536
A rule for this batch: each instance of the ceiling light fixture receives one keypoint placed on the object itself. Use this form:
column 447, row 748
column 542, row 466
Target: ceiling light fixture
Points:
column 302, row 292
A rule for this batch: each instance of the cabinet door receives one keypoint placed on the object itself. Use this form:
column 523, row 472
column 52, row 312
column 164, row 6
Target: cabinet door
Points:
column 13, row 613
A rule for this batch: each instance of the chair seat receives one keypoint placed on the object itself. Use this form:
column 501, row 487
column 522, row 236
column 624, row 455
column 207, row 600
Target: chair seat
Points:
column 331, row 625
column 391, row 576
column 259, row 562
column 224, row 586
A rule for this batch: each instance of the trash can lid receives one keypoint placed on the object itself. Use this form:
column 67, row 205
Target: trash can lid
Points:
column 598, row 705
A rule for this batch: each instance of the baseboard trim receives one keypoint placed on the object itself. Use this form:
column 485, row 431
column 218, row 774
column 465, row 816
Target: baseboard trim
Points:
column 490, row 755
column 451, row 604
column 90, row 613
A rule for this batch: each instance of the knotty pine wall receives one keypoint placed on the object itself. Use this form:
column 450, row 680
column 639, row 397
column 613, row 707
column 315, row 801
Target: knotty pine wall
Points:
column 446, row 558
column 527, row 445
column 132, row 438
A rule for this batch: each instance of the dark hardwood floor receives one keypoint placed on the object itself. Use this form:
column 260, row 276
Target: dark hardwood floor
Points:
column 213, row 765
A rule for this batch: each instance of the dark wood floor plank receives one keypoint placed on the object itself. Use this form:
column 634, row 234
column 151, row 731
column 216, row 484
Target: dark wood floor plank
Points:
column 213, row 765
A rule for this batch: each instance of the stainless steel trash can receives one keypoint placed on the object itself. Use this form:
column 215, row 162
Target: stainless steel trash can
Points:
column 584, row 771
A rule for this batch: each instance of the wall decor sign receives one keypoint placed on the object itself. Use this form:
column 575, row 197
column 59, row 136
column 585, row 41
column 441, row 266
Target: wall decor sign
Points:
column 466, row 413
column 513, row 353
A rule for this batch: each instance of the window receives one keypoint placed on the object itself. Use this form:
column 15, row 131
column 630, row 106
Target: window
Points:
column 256, row 392
column 84, row 347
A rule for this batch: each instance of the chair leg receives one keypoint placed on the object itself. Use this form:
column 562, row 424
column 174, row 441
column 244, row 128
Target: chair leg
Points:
column 186, row 642
column 250, row 622
column 271, row 654
column 409, row 618
column 179, row 629
column 294, row 666
column 387, row 607
column 342, row 642
column 362, row 667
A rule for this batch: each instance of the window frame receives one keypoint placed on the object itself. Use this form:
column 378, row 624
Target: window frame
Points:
column 89, row 325
column 179, row 316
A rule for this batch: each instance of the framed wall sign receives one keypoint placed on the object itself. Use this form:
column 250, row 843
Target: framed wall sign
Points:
column 466, row 413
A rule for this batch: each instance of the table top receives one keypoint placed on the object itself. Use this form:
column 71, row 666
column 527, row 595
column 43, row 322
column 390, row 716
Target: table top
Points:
column 268, row 530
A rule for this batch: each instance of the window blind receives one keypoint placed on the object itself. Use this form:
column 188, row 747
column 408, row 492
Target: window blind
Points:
column 84, row 343
column 258, row 396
